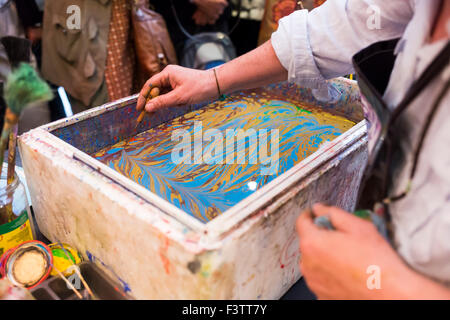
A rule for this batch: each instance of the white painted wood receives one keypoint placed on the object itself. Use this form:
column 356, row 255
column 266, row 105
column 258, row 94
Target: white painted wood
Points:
column 249, row 252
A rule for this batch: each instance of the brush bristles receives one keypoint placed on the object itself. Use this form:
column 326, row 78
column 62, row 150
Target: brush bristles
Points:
column 23, row 87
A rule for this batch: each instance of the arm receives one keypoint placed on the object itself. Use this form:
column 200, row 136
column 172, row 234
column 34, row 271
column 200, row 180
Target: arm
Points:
column 310, row 46
column 319, row 45
column 256, row 68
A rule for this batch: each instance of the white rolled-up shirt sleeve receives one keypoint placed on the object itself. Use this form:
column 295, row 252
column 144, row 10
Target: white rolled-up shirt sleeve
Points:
column 318, row 45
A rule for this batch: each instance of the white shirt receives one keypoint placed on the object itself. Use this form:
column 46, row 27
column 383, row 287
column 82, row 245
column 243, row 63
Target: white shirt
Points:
column 318, row 45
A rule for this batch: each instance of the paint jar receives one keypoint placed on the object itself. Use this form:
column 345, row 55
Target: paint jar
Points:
column 15, row 217
column 28, row 264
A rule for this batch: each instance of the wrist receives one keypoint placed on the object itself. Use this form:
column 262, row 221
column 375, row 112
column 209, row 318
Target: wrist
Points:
column 219, row 91
column 411, row 285
column 223, row 84
column 209, row 86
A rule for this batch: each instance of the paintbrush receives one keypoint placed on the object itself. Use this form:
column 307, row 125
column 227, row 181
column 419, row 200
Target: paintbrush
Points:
column 149, row 93
column 69, row 284
column 11, row 167
column 77, row 271
column 23, row 87
column 18, row 50
column 12, row 154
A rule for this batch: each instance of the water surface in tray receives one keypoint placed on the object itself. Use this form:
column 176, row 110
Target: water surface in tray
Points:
column 204, row 172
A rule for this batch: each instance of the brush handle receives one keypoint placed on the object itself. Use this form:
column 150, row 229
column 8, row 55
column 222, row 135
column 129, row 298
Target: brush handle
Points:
column 84, row 283
column 11, row 119
column 324, row 223
column 77, row 270
column 5, row 214
column 141, row 116
column 68, row 283
column 12, row 153
column 11, row 167
column 150, row 93
column 3, row 142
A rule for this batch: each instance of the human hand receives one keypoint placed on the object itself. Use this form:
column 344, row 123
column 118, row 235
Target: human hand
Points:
column 200, row 18
column 213, row 9
column 183, row 86
column 34, row 34
column 336, row 263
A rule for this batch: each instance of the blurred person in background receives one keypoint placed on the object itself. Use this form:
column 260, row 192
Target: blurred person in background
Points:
column 277, row 9
column 97, row 49
column 196, row 16
column 89, row 49
column 31, row 13
column 22, row 19
column 75, row 48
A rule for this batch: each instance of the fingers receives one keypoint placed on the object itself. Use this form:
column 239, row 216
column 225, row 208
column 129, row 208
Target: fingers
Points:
column 203, row 21
column 224, row 4
column 213, row 9
column 305, row 224
column 169, row 99
column 159, row 80
column 214, row 19
column 203, row 18
column 200, row 18
column 145, row 91
column 341, row 219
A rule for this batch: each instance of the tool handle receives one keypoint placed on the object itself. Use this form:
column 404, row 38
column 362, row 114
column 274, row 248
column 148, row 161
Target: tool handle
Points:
column 69, row 284
column 324, row 223
column 150, row 93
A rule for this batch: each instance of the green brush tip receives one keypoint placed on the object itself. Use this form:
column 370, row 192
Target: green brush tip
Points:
column 24, row 87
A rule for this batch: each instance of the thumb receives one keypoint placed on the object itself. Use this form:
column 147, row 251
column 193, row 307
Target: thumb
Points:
column 169, row 99
column 305, row 224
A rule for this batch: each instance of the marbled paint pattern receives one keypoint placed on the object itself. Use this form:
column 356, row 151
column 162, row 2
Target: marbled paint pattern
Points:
column 206, row 190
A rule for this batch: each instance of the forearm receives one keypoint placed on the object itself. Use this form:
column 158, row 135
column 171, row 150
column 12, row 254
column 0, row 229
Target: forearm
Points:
column 410, row 284
column 256, row 68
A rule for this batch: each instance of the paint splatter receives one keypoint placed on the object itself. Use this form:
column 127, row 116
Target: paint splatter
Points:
column 163, row 254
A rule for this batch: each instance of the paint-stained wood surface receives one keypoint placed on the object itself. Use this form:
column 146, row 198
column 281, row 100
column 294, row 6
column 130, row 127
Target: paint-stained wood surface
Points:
column 249, row 252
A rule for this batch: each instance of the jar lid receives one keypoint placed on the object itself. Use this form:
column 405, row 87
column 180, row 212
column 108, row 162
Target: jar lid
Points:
column 28, row 264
